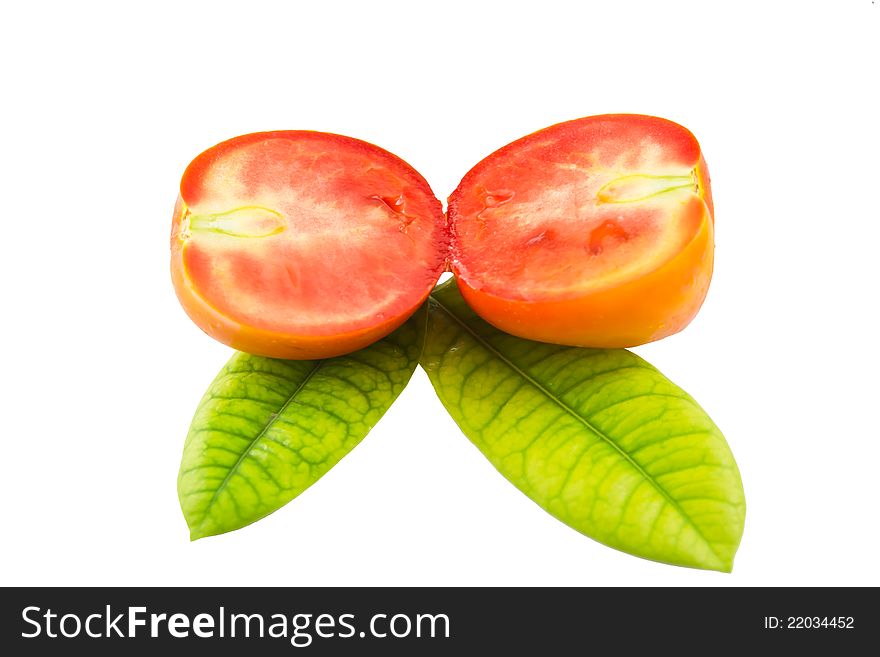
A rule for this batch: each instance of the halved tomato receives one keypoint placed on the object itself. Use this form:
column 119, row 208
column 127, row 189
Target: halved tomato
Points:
column 597, row 232
column 298, row 244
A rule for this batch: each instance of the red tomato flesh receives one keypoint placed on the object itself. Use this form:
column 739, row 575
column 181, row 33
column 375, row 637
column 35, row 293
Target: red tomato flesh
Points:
column 595, row 232
column 300, row 244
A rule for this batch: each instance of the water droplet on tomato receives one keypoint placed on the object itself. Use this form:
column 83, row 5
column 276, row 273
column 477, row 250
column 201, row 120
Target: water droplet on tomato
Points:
column 393, row 203
column 496, row 198
column 608, row 234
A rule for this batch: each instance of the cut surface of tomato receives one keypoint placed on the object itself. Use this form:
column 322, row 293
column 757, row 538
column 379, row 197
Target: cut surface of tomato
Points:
column 595, row 232
column 299, row 244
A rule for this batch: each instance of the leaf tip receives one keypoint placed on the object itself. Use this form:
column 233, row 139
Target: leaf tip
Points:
column 204, row 527
column 720, row 565
column 197, row 531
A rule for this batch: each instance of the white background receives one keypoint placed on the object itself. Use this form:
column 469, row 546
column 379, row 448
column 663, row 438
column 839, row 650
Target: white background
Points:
column 103, row 105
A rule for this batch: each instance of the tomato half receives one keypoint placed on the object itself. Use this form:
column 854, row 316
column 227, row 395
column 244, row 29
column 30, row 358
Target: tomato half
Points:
column 597, row 232
column 300, row 245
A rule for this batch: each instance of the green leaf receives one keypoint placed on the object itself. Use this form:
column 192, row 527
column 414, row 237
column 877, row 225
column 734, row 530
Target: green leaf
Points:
column 268, row 429
column 597, row 437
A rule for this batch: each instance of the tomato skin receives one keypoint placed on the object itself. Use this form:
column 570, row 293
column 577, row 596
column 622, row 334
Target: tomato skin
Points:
column 259, row 341
column 659, row 301
column 643, row 310
column 269, row 334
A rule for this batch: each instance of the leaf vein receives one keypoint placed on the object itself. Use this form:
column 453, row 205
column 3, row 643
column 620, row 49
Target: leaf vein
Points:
column 595, row 430
column 234, row 469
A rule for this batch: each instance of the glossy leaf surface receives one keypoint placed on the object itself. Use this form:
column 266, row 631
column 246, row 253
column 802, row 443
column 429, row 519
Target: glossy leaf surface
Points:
column 268, row 429
column 597, row 437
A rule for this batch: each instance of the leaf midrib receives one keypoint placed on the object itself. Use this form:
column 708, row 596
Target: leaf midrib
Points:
column 568, row 409
column 260, row 434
